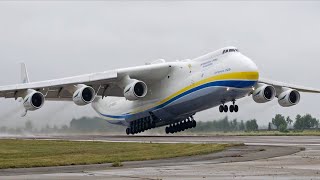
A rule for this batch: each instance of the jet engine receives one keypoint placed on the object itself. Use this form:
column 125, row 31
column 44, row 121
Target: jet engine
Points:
column 264, row 93
column 84, row 95
column 34, row 100
column 135, row 90
column 288, row 98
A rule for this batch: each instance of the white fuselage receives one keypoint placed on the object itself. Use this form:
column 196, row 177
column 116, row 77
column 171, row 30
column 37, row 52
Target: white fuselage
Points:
column 191, row 86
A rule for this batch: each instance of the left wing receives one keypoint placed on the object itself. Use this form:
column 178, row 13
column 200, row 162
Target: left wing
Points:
column 279, row 85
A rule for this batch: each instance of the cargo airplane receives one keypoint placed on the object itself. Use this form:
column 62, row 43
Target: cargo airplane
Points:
column 160, row 93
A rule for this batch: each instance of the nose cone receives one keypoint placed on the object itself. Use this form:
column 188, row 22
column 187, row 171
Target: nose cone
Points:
column 251, row 66
column 247, row 65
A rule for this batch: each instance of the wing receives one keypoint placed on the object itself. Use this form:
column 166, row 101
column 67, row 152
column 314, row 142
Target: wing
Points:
column 278, row 85
column 104, row 83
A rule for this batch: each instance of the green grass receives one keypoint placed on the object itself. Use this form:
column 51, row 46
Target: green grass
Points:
column 263, row 133
column 40, row 153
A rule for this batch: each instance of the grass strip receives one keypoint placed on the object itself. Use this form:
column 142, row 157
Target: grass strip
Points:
column 43, row 153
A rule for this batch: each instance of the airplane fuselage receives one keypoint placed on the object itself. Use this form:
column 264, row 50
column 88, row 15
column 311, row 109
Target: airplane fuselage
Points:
column 191, row 86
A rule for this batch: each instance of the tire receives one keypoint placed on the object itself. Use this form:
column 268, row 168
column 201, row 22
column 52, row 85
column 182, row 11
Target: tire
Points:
column 189, row 125
column 194, row 123
column 167, row 130
column 183, row 126
column 221, row 108
column 231, row 108
column 225, row 108
column 153, row 125
column 236, row 108
column 128, row 131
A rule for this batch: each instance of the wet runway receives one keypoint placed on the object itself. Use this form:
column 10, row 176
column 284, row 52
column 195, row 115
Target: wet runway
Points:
column 264, row 157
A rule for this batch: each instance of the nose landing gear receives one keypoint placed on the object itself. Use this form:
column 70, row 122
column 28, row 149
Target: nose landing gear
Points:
column 232, row 108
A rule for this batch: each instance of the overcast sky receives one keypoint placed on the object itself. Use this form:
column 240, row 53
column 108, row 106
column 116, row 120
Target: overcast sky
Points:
column 58, row 39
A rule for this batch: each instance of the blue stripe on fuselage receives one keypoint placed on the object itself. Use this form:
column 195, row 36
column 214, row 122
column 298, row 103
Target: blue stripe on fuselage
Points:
column 227, row 83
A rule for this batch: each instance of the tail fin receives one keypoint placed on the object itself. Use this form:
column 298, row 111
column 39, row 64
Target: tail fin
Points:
column 24, row 73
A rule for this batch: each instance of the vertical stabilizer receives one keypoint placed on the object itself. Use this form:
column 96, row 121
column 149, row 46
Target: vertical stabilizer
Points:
column 24, row 73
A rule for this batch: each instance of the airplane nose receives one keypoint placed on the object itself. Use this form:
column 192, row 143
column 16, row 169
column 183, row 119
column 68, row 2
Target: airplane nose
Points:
column 250, row 66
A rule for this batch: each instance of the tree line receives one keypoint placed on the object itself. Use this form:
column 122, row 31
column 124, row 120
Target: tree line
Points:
column 227, row 125
column 282, row 123
column 98, row 125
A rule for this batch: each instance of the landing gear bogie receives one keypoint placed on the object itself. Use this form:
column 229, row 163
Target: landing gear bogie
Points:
column 140, row 125
column 231, row 108
column 181, row 126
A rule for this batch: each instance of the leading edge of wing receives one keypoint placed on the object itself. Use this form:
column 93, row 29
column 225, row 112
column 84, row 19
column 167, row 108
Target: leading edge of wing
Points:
column 146, row 72
column 87, row 78
column 292, row 86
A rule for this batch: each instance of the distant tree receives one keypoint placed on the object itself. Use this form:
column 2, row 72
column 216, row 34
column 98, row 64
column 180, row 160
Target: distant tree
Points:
column 225, row 124
column 289, row 121
column 269, row 126
column 86, row 124
column 305, row 122
column 278, row 121
column 252, row 125
column 242, row 126
column 283, row 128
column 234, row 125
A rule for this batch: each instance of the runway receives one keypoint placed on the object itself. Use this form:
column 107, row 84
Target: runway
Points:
column 263, row 157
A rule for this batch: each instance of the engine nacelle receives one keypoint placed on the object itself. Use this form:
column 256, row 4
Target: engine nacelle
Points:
column 135, row 90
column 33, row 101
column 264, row 93
column 289, row 97
column 84, row 95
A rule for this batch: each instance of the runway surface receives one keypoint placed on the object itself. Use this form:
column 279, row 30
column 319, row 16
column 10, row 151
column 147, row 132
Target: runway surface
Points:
column 264, row 157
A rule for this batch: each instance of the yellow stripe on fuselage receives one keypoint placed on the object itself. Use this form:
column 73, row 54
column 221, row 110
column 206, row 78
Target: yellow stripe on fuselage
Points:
column 249, row 76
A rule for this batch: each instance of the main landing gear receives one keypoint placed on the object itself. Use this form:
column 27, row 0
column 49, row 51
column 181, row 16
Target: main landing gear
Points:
column 181, row 126
column 232, row 108
column 140, row 125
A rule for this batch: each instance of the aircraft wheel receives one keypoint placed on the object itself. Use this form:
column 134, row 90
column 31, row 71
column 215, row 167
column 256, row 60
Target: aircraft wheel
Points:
column 176, row 128
column 133, row 130
column 194, row 123
column 221, row 109
column 153, row 125
column 167, row 130
column 225, row 108
column 144, row 126
column 231, row 108
column 236, row 108
column 128, row 131
column 183, row 126
column 189, row 124
column 171, row 130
